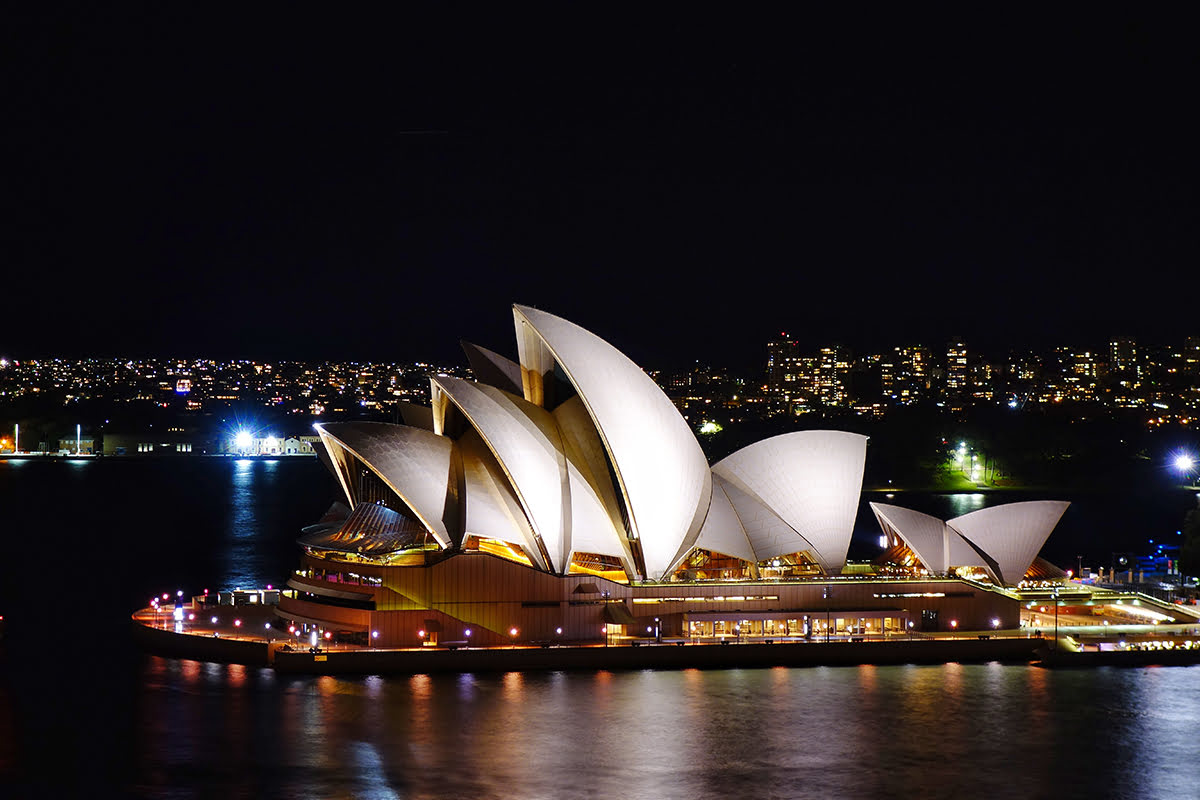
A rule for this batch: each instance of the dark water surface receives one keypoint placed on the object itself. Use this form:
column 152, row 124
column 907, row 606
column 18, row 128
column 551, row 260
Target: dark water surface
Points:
column 82, row 714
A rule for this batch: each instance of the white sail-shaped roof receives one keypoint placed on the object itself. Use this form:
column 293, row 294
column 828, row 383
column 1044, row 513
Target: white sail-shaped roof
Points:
column 924, row 535
column 1011, row 534
column 661, row 470
column 492, row 510
column 812, row 480
column 417, row 465
column 526, row 444
column 960, row 552
column 566, row 514
column 596, row 525
column 723, row 530
column 492, row 368
column 768, row 535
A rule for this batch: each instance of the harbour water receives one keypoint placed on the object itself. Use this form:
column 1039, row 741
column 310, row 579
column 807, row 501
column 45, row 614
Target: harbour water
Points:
column 83, row 714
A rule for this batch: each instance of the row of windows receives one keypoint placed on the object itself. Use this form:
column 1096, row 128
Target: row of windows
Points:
column 180, row 447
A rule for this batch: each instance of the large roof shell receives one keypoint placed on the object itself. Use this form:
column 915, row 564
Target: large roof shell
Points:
column 812, row 480
column 768, row 534
column 493, row 369
column 660, row 468
column 492, row 509
column 415, row 464
column 565, row 513
column 526, row 444
column 1011, row 534
column 596, row 525
column 736, row 521
column 925, row 535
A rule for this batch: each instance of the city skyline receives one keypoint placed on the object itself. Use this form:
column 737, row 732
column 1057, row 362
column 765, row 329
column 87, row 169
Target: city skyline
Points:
column 790, row 379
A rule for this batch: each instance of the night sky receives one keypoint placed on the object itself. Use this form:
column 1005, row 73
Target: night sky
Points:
column 201, row 182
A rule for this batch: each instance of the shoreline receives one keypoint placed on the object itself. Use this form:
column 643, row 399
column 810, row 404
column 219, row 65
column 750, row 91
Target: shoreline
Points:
column 252, row 651
column 245, row 635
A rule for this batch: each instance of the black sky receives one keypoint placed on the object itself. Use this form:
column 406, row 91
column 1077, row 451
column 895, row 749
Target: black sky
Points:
column 197, row 181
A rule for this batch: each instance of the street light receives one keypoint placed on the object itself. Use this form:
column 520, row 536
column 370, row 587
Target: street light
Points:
column 1185, row 463
column 1056, row 619
column 825, row 594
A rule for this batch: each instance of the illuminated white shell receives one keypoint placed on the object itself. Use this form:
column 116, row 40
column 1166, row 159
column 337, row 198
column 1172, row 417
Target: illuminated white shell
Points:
column 661, row 471
column 812, row 481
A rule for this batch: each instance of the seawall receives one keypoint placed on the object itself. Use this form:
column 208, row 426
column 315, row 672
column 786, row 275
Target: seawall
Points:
column 706, row 656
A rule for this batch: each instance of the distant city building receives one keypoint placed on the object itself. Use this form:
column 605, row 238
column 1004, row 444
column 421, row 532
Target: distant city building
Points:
column 84, row 446
column 244, row 443
column 833, row 368
column 1123, row 355
column 1191, row 355
column 170, row 442
column 904, row 375
column 784, row 369
column 957, row 374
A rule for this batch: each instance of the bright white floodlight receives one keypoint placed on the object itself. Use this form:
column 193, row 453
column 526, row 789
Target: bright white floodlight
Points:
column 1184, row 462
column 243, row 440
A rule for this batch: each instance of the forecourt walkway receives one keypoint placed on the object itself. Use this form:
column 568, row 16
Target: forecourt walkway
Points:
column 240, row 635
column 248, row 634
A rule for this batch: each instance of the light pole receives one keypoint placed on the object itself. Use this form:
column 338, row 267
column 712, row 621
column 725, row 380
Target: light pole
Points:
column 825, row 594
column 1056, row 619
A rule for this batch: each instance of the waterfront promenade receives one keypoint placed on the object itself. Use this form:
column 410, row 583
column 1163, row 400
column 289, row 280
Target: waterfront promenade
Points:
column 248, row 634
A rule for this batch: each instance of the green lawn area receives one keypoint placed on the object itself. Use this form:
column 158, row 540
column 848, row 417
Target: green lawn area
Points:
column 955, row 481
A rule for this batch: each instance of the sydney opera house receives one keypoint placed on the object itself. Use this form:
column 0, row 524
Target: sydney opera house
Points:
column 563, row 498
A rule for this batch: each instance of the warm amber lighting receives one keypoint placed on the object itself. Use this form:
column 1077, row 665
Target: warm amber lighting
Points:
column 504, row 550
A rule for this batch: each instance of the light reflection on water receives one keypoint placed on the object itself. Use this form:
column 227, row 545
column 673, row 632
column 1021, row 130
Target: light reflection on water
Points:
column 966, row 503
column 249, row 482
column 907, row 731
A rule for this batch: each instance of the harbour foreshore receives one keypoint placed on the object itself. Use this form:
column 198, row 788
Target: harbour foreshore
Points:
column 250, row 642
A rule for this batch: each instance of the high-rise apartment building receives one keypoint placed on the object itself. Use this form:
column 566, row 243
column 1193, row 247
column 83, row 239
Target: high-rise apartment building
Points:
column 1123, row 355
column 833, row 368
column 791, row 377
column 957, row 373
column 905, row 374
